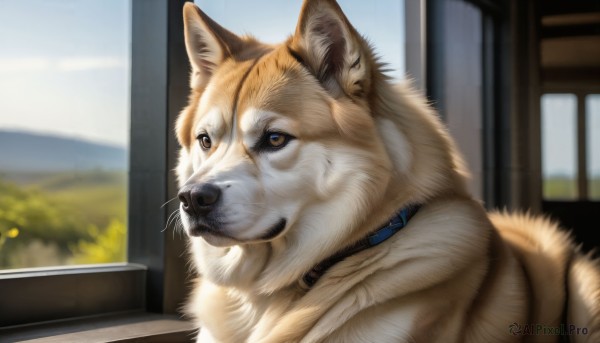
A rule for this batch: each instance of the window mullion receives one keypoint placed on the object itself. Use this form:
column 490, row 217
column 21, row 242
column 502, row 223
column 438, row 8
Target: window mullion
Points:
column 581, row 149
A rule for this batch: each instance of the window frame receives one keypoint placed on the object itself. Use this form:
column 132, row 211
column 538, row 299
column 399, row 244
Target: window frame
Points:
column 498, row 153
column 153, row 279
column 159, row 86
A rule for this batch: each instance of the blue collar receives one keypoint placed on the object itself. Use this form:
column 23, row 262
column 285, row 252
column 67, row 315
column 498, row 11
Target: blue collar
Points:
column 397, row 223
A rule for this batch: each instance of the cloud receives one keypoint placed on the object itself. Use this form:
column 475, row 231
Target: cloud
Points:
column 17, row 65
column 64, row 64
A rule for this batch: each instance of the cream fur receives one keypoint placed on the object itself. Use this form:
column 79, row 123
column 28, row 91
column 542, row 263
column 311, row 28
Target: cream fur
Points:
column 361, row 149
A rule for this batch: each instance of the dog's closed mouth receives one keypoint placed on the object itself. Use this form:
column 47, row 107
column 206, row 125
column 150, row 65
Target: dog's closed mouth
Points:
column 200, row 229
column 275, row 230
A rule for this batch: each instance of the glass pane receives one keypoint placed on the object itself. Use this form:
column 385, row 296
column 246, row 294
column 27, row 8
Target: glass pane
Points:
column 559, row 146
column 273, row 21
column 592, row 105
column 64, row 131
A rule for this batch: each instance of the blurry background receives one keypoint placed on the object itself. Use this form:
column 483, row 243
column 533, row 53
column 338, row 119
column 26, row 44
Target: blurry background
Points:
column 64, row 131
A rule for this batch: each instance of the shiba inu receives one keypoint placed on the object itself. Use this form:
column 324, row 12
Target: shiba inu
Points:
column 324, row 204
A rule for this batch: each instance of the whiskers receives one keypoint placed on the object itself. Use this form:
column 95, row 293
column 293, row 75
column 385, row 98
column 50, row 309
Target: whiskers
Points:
column 174, row 218
column 168, row 201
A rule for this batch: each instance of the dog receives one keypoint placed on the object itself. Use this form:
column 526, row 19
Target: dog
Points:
column 324, row 204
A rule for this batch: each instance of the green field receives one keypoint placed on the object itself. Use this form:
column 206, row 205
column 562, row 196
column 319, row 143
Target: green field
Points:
column 594, row 189
column 62, row 218
column 566, row 189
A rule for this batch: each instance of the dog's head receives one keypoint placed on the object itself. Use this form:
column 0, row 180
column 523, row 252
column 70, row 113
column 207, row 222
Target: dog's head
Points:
column 297, row 145
column 273, row 132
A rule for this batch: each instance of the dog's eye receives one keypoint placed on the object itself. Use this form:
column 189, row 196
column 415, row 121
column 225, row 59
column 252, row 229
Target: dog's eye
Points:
column 277, row 140
column 205, row 142
column 271, row 141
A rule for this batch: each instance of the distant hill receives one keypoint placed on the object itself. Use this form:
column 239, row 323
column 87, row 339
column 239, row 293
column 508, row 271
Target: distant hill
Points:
column 28, row 152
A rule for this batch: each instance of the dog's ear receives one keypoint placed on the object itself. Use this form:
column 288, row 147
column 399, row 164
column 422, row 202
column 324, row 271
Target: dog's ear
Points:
column 207, row 44
column 328, row 44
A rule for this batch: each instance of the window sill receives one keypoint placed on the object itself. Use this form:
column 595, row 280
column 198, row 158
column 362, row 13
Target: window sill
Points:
column 50, row 294
column 131, row 327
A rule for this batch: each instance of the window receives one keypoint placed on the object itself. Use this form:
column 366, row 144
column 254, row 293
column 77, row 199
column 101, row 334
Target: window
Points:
column 570, row 146
column 64, row 80
column 102, row 30
column 559, row 146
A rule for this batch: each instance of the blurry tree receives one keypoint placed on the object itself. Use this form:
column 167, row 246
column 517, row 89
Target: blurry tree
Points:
column 28, row 215
column 106, row 246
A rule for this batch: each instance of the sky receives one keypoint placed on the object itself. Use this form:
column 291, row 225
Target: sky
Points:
column 381, row 22
column 559, row 133
column 64, row 68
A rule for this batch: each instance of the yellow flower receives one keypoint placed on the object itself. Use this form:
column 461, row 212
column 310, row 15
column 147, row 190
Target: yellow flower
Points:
column 13, row 233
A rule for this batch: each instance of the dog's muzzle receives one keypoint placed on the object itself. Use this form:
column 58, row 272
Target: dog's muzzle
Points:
column 200, row 199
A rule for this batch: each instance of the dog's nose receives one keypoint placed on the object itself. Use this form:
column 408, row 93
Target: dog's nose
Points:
column 199, row 199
